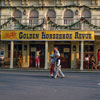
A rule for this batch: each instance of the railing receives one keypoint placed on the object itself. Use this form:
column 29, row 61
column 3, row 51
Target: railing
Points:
column 59, row 22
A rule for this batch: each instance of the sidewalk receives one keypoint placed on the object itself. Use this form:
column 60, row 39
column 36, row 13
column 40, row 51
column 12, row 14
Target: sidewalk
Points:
column 47, row 70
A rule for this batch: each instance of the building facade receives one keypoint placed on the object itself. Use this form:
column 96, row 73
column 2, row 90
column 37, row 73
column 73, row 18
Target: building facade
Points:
column 28, row 19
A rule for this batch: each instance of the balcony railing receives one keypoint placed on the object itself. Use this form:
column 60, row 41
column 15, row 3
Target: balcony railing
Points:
column 31, row 23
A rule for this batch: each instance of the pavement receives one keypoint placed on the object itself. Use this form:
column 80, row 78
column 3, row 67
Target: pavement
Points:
column 38, row 85
column 46, row 70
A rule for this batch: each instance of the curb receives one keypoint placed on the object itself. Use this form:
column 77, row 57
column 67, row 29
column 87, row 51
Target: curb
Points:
column 47, row 70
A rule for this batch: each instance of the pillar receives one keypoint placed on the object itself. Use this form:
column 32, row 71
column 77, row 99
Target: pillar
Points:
column 11, row 54
column 25, row 54
column 82, row 54
column 46, row 55
column 74, row 54
column 6, row 50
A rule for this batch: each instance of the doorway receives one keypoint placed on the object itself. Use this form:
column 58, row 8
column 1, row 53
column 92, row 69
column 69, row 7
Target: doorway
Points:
column 17, row 52
column 33, row 50
column 65, row 51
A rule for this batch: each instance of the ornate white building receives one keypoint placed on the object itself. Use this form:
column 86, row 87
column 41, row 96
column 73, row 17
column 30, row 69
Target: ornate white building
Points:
column 49, row 15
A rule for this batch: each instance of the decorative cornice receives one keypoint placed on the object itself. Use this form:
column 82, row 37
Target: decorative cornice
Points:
column 55, row 6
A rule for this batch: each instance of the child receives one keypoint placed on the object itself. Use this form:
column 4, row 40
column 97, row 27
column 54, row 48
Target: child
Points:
column 57, row 59
column 52, row 65
column 93, row 63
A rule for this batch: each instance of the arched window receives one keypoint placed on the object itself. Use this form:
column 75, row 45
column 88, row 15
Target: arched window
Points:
column 87, row 15
column 33, row 17
column 52, row 15
column 68, row 17
column 17, row 14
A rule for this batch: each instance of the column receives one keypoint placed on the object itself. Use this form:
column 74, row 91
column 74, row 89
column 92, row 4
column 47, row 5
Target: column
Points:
column 82, row 50
column 46, row 55
column 82, row 54
column 25, row 54
column 11, row 54
column 73, row 54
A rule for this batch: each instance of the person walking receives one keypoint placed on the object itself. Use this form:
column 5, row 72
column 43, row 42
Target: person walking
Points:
column 58, row 65
column 98, row 57
column 52, row 65
column 37, row 59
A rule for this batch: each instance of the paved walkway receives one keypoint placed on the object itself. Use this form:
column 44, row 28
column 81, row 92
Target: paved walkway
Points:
column 28, row 85
column 46, row 70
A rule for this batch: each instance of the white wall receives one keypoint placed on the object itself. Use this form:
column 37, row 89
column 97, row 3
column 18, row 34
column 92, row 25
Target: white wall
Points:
column 43, row 12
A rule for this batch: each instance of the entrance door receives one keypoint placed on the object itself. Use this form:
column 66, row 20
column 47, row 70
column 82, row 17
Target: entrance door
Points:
column 65, row 51
column 17, row 52
column 33, row 49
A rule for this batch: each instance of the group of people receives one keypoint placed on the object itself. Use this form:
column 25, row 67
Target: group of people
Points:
column 90, row 62
column 55, row 66
column 55, row 63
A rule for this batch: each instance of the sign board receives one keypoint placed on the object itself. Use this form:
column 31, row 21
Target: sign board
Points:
column 33, row 49
column 66, row 50
column 48, row 35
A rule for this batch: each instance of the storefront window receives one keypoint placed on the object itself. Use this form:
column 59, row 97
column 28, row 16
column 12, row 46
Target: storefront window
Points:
column 88, row 48
column 33, row 53
column 17, row 50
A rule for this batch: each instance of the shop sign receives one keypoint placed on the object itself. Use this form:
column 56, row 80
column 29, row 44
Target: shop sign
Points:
column 33, row 49
column 48, row 35
column 66, row 50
